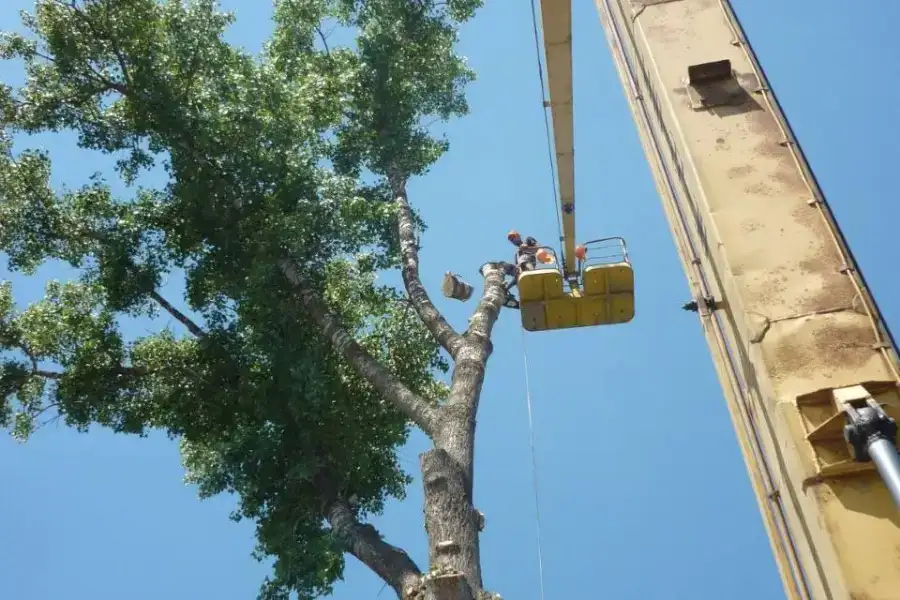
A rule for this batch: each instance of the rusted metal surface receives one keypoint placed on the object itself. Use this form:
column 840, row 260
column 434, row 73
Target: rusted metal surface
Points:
column 754, row 232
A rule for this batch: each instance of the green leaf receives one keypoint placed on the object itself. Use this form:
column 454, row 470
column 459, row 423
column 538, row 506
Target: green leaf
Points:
column 264, row 158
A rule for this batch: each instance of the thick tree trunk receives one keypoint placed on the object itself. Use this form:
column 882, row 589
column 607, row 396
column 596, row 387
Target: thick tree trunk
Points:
column 451, row 520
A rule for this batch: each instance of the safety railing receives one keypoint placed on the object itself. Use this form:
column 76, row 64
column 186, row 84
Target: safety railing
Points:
column 604, row 251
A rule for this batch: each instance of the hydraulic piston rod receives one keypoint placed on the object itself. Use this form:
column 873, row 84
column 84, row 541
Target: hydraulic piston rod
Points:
column 886, row 458
column 873, row 436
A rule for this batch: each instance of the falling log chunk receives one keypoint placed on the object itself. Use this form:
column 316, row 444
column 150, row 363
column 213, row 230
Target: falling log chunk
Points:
column 454, row 287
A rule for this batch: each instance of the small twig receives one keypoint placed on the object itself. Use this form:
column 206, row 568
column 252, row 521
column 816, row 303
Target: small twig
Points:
column 324, row 40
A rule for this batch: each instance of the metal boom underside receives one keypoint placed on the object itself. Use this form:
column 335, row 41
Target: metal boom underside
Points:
column 795, row 335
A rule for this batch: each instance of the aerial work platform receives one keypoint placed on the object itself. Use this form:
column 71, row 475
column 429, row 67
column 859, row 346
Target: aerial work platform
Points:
column 602, row 294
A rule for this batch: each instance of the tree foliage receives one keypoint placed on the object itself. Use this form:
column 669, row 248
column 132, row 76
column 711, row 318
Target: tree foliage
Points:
column 279, row 156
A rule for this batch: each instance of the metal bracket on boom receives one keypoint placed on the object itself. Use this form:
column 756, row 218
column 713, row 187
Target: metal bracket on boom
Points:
column 709, row 72
column 713, row 84
column 851, row 430
column 694, row 306
column 872, row 435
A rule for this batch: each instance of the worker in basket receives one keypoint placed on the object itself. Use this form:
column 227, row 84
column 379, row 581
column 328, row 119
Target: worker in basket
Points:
column 528, row 254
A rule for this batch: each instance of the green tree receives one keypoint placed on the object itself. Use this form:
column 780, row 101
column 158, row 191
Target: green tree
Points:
column 298, row 376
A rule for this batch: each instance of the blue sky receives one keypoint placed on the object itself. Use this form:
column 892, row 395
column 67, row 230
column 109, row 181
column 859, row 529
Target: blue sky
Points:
column 93, row 516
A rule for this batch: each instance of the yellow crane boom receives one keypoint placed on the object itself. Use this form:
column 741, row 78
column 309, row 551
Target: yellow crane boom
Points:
column 556, row 25
column 808, row 367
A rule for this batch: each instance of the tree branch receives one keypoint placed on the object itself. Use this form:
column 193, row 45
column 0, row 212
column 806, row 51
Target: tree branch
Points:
column 177, row 314
column 55, row 375
column 410, row 404
column 471, row 362
column 481, row 323
column 126, row 371
column 364, row 542
column 324, row 39
column 442, row 331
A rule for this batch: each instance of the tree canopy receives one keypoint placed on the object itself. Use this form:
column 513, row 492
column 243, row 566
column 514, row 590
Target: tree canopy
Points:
column 297, row 374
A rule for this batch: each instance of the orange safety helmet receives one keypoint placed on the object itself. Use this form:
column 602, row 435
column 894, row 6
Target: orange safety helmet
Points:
column 543, row 255
column 513, row 236
column 580, row 252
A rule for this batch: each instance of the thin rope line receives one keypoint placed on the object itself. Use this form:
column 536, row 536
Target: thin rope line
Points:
column 537, row 47
column 534, row 479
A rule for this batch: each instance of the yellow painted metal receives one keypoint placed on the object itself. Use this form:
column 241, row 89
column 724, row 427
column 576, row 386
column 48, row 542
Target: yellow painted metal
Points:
column 798, row 329
column 606, row 298
column 556, row 24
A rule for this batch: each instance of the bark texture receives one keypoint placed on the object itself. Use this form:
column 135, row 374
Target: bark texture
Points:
column 442, row 331
column 364, row 542
column 452, row 522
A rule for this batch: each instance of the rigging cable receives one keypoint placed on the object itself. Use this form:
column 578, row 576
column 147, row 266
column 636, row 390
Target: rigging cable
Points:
column 553, row 178
column 537, row 509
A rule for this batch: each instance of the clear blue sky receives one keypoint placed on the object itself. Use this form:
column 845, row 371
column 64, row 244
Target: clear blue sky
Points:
column 97, row 516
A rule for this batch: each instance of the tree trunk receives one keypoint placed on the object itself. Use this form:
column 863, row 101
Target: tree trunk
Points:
column 451, row 520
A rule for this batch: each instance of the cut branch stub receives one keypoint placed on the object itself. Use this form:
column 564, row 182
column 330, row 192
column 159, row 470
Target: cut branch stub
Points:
column 454, row 287
column 449, row 586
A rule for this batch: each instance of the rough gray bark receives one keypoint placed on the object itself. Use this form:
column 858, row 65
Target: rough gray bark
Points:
column 364, row 542
column 452, row 522
column 451, row 519
column 442, row 331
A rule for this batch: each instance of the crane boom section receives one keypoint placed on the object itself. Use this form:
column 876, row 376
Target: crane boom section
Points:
column 556, row 25
column 793, row 330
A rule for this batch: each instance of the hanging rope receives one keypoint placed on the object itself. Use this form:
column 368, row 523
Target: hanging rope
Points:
column 554, row 201
column 534, row 484
column 537, row 47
